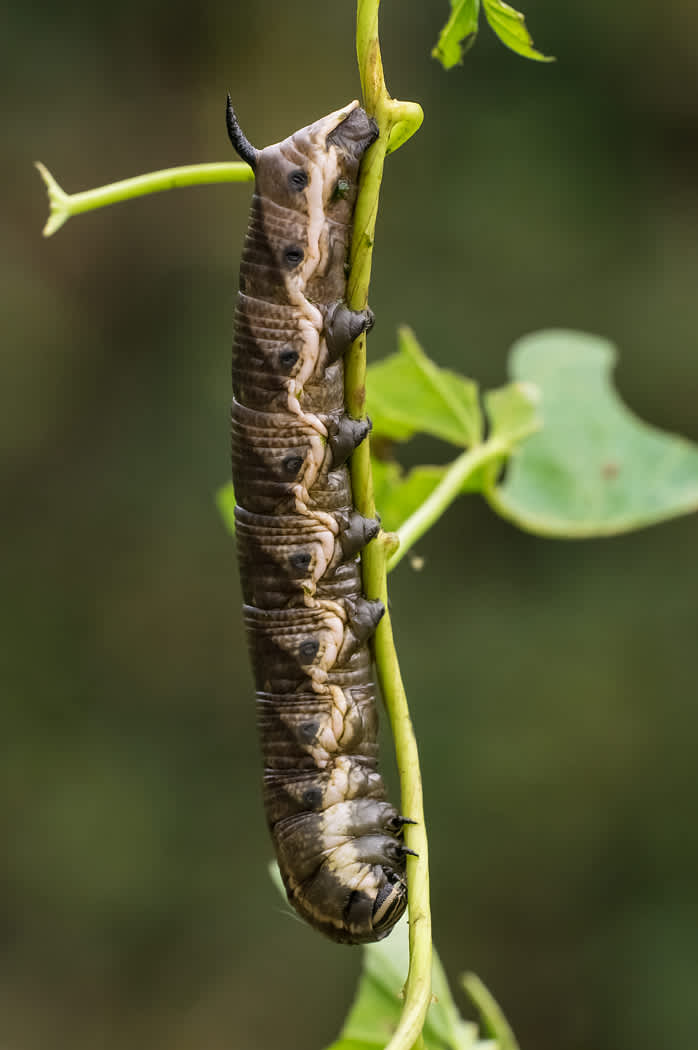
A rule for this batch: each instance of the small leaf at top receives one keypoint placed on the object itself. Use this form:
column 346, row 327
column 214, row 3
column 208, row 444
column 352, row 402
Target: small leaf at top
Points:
column 594, row 469
column 458, row 35
column 408, row 394
column 510, row 27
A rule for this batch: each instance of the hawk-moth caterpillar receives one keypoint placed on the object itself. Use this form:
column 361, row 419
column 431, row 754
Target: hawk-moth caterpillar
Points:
column 337, row 840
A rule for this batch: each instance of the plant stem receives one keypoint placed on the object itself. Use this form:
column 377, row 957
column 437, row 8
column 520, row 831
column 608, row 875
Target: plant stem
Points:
column 63, row 204
column 448, row 489
column 396, row 122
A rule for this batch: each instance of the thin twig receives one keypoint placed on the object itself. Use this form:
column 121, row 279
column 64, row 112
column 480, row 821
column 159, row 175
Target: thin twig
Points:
column 63, row 204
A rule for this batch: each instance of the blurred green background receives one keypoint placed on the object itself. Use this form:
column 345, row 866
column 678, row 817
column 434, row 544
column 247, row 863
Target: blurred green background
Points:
column 552, row 684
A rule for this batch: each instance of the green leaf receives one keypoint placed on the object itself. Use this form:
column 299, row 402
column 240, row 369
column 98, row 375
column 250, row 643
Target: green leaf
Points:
column 512, row 415
column 376, row 1009
column 513, row 412
column 459, row 34
column 398, row 494
column 595, row 469
column 447, row 1022
column 411, row 504
column 510, row 27
column 408, row 394
column 225, row 501
column 493, row 1020
column 378, row 1004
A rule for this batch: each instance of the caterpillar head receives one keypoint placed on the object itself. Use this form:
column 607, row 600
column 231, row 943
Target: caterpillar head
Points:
column 317, row 163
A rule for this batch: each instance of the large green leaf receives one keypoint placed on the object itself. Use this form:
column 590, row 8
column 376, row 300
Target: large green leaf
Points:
column 594, row 469
column 408, row 394
column 376, row 1009
column 459, row 34
column 510, row 27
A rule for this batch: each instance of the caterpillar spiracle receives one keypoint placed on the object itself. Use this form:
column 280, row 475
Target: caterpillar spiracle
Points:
column 338, row 841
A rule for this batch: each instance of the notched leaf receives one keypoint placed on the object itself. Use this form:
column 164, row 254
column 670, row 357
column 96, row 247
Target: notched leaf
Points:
column 595, row 468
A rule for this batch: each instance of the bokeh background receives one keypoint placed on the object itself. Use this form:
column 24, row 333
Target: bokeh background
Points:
column 552, row 684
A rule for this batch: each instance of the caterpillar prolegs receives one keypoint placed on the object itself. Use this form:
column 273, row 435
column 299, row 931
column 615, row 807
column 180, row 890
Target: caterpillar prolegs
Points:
column 337, row 840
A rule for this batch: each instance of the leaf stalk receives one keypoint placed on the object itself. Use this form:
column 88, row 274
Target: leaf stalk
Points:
column 448, row 489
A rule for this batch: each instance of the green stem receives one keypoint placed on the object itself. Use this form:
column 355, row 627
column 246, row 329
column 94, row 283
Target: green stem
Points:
column 63, row 204
column 448, row 489
column 396, row 122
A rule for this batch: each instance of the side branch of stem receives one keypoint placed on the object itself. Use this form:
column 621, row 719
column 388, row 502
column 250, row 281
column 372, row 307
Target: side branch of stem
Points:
column 448, row 489
column 63, row 205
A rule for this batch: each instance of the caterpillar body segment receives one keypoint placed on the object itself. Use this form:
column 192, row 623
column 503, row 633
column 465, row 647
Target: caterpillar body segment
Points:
column 337, row 840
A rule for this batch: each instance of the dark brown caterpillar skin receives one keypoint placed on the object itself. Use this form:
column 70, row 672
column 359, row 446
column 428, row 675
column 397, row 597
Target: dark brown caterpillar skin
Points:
column 338, row 842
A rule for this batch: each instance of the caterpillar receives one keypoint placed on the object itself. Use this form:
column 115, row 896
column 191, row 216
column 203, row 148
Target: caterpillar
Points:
column 337, row 840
